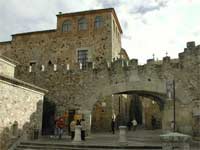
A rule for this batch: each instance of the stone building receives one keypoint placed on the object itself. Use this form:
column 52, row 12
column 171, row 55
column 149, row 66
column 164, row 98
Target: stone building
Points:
column 86, row 71
column 81, row 40
column 20, row 105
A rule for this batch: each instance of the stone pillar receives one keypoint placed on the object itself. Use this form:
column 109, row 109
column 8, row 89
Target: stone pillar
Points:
column 122, row 135
column 77, row 137
column 175, row 140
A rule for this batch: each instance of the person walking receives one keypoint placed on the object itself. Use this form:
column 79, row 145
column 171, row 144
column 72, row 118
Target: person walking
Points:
column 83, row 129
column 129, row 124
column 72, row 128
column 113, row 126
column 153, row 122
column 134, row 123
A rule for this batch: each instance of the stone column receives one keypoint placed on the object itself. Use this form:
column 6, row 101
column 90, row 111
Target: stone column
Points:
column 77, row 137
column 122, row 135
column 175, row 140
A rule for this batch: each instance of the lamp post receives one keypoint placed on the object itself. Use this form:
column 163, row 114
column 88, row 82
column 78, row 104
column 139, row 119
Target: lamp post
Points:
column 174, row 107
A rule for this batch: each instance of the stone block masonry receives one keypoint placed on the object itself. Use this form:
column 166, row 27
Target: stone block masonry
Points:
column 83, row 88
column 20, row 107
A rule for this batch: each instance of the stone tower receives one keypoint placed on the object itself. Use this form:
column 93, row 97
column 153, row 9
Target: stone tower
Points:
column 81, row 37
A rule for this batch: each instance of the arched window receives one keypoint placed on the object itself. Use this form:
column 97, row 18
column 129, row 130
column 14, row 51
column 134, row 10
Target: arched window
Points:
column 98, row 22
column 67, row 26
column 82, row 24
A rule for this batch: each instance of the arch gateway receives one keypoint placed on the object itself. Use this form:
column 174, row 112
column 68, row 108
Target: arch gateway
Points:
column 109, row 82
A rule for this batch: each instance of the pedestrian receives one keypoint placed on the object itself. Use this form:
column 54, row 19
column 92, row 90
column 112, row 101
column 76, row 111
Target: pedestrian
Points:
column 134, row 123
column 72, row 129
column 129, row 124
column 83, row 129
column 153, row 122
column 113, row 126
column 60, row 124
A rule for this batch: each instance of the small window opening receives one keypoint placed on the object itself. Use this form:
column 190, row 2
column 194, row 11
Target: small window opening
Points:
column 82, row 24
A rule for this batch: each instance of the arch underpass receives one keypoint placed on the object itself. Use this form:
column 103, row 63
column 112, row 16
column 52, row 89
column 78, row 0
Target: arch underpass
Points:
column 160, row 98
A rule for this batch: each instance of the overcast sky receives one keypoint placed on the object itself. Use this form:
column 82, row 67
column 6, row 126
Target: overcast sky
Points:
column 149, row 26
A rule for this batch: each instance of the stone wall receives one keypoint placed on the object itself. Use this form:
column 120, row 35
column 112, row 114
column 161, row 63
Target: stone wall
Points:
column 21, row 106
column 4, row 46
column 82, row 88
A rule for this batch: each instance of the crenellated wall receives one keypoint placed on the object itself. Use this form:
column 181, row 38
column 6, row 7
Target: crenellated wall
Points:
column 75, row 87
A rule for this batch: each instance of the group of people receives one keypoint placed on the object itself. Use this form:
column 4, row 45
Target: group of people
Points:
column 73, row 124
column 60, row 125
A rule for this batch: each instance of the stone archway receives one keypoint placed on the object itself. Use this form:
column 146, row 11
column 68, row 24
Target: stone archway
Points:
column 102, row 114
column 141, row 106
column 107, row 107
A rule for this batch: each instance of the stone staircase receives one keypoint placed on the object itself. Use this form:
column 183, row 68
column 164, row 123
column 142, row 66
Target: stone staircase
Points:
column 30, row 145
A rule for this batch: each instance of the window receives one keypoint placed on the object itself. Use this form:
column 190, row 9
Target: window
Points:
column 32, row 65
column 83, row 57
column 82, row 24
column 98, row 22
column 67, row 26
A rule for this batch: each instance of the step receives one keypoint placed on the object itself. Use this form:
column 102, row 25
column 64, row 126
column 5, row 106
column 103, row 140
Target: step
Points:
column 56, row 146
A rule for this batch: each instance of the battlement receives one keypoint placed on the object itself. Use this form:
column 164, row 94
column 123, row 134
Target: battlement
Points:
column 119, row 65
column 191, row 50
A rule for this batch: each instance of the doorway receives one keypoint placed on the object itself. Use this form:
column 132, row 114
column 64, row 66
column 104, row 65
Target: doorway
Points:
column 48, row 118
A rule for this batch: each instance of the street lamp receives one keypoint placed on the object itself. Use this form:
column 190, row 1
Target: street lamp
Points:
column 174, row 100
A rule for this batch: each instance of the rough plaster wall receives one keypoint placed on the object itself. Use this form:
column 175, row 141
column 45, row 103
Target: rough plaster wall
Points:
column 21, row 105
column 6, row 46
column 7, row 68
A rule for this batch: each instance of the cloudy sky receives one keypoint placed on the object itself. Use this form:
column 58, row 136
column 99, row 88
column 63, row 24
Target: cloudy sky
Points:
column 149, row 26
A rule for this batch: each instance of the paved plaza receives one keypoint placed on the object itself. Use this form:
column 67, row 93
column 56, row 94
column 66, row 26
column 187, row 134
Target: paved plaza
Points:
column 139, row 139
column 135, row 138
